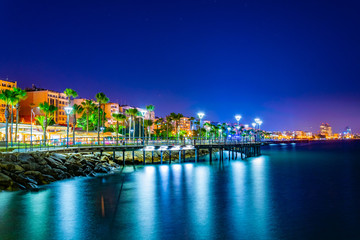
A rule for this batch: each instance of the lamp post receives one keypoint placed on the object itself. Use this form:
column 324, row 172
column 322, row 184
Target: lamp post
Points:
column 220, row 130
column 143, row 112
column 254, row 127
column 68, row 110
column 200, row 115
column 31, row 124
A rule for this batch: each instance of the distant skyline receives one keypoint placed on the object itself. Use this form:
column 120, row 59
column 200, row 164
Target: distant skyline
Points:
column 292, row 64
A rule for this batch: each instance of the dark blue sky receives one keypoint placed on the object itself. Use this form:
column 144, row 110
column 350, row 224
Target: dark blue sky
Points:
column 294, row 64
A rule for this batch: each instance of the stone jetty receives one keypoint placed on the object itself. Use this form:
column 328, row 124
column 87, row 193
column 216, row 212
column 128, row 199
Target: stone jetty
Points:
column 21, row 171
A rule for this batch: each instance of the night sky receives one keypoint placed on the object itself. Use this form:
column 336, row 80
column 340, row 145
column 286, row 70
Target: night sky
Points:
column 294, row 64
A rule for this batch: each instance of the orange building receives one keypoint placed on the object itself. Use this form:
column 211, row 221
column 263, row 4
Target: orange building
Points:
column 36, row 96
column 5, row 84
column 111, row 108
column 185, row 124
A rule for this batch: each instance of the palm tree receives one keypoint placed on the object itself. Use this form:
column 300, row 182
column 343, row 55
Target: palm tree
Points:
column 13, row 101
column 88, row 106
column 168, row 121
column 6, row 96
column 176, row 118
column 21, row 95
column 48, row 111
column 70, row 93
column 148, row 123
column 150, row 109
column 132, row 113
column 77, row 109
column 101, row 99
column 119, row 117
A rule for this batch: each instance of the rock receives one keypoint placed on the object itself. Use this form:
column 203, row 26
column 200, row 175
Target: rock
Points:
column 12, row 167
column 55, row 163
column 5, row 180
column 25, row 158
column 31, row 166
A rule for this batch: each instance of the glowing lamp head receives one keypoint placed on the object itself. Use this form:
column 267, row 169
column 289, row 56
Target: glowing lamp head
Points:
column 229, row 128
column 220, row 130
column 257, row 120
column 143, row 112
column 253, row 124
column 260, row 122
column 246, row 125
column 238, row 117
column 201, row 115
column 68, row 110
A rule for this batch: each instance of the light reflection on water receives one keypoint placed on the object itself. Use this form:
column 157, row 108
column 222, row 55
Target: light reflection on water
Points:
column 285, row 194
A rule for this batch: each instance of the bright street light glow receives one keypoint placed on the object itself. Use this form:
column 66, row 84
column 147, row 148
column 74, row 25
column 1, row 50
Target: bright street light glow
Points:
column 68, row 110
column 238, row 117
column 201, row 115
column 246, row 126
column 253, row 124
column 143, row 112
column 257, row 120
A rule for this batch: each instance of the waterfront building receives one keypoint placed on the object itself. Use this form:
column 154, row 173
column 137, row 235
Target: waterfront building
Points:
column 111, row 108
column 325, row 130
column 185, row 124
column 5, row 85
column 35, row 96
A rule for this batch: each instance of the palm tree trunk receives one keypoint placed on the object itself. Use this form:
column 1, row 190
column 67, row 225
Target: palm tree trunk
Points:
column 6, row 124
column 98, row 125
column 87, row 122
column 130, row 129
column 74, row 125
column 17, row 121
column 117, row 132
column 11, row 124
column 45, row 127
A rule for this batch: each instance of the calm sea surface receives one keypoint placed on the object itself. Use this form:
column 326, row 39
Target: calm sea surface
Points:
column 302, row 191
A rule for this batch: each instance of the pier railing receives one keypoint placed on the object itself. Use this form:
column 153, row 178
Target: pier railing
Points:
column 49, row 144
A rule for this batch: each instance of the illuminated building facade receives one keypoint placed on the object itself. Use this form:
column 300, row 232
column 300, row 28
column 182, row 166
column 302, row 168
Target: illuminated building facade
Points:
column 4, row 85
column 185, row 124
column 35, row 96
column 325, row 130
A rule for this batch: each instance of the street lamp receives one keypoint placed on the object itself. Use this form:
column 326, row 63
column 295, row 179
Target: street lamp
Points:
column 143, row 112
column 220, row 130
column 68, row 110
column 200, row 115
column 238, row 117
column 31, row 122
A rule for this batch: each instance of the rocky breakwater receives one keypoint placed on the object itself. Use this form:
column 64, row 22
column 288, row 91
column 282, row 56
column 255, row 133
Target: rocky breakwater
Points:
column 29, row 170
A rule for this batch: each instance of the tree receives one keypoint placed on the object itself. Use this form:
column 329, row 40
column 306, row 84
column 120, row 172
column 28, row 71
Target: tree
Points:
column 119, row 117
column 176, row 118
column 148, row 123
column 88, row 106
column 20, row 95
column 70, row 93
column 101, row 99
column 77, row 109
column 132, row 113
column 150, row 109
column 48, row 111
column 13, row 100
column 6, row 96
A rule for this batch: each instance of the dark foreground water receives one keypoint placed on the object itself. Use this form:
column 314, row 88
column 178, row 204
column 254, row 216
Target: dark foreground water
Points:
column 303, row 191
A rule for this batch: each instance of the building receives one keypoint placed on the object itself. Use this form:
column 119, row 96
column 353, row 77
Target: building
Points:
column 325, row 130
column 184, row 124
column 35, row 96
column 111, row 108
column 5, row 85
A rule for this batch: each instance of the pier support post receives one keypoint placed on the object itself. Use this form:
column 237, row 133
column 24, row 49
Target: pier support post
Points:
column 210, row 151
column 114, row 156
column 197, row 154
column 161, row 160
column 144, row 155
column 179, row 156
column 152, row 157
column 123, row 158
column 133, row 157
column 169, row 157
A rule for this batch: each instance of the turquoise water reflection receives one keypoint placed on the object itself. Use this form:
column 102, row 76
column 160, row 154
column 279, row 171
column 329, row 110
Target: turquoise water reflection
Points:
column 291, row 192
